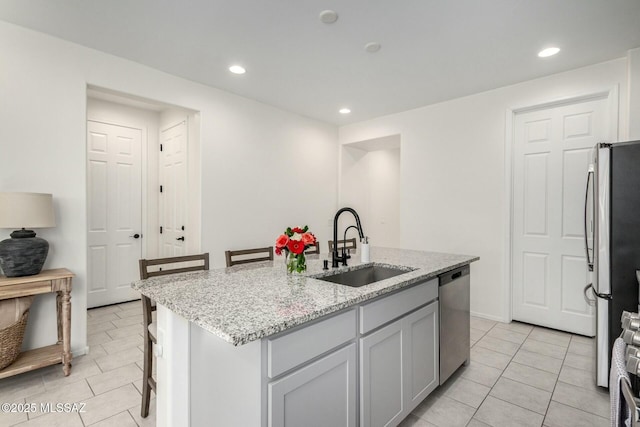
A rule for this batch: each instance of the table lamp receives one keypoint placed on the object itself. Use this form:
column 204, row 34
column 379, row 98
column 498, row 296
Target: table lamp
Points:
column 24, row 254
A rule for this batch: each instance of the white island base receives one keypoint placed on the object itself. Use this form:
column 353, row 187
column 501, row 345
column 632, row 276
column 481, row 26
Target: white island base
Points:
column 368, row 365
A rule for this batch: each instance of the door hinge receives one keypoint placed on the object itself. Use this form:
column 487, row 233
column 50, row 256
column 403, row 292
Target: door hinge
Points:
column 160, row 147
column 160, row 229
column 161, row 188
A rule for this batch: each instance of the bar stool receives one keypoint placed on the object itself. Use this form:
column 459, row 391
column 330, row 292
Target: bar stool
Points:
column 181, row 264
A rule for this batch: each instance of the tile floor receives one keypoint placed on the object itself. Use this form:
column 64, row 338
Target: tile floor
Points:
column 519, row 375
column 108, row 380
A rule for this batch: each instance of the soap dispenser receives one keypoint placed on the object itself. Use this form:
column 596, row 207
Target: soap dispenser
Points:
column 365, row 254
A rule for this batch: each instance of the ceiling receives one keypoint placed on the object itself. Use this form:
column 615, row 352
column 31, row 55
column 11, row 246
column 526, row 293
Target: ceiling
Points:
column 432, row 50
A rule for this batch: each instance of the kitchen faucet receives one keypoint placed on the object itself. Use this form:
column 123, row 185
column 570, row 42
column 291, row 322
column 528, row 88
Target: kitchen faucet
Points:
column 335, row 258
column 344, row 237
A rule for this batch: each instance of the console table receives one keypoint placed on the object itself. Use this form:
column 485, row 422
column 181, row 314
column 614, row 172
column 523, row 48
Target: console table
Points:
column 59, row 281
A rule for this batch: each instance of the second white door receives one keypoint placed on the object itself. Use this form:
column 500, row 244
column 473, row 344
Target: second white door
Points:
column 173, row 195
column 114, row 212
column 552, row 152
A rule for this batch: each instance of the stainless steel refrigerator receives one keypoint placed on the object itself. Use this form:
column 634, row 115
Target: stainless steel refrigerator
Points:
column 612, row 240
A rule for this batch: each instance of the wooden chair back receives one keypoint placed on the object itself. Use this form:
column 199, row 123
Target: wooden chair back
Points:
column 249, row 255
column 315, row 249
column 145, row 273
column 348, row 244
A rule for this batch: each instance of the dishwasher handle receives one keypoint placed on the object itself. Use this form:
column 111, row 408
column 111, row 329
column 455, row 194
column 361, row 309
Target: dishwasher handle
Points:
column 452, row 275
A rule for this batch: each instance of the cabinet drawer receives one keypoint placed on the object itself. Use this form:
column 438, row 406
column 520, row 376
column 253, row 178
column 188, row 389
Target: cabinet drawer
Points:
column 387, row 308
column 292, row 349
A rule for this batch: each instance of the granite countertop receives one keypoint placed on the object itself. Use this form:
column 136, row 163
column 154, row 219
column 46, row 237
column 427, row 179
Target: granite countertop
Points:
column 247, row 302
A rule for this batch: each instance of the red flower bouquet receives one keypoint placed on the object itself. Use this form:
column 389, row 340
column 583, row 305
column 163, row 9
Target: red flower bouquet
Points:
column 293, row 243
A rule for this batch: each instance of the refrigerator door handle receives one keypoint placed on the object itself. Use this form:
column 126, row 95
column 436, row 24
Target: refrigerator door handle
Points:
column 603, row 296
column 586, row 220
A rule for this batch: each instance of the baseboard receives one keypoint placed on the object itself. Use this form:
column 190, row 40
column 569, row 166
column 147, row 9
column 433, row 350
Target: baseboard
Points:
column 80, row 351
column 489, row 317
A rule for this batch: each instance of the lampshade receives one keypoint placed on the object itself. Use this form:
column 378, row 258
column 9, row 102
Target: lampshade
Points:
column 26, row 210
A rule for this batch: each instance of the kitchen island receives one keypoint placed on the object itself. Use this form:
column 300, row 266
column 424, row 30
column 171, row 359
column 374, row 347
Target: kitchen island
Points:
column 253, row 346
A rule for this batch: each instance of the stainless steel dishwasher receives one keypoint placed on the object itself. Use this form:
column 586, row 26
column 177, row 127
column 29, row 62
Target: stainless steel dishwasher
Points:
column 455, row 339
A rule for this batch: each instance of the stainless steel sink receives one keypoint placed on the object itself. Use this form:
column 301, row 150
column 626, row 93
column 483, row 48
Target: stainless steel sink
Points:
column 364, row 276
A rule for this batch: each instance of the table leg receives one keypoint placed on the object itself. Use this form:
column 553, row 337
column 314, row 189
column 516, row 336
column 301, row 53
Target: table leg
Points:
column 66, row 331
column 59, row 314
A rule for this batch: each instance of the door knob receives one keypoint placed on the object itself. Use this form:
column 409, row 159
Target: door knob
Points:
column 135, row 236
column 180, row 238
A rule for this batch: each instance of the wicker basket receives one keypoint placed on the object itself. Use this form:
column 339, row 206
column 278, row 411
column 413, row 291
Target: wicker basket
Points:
column 11, row 341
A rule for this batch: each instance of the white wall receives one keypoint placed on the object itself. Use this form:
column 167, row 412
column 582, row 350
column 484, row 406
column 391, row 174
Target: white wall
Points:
column 262, row 168
column 370, row 183
column 453, row 170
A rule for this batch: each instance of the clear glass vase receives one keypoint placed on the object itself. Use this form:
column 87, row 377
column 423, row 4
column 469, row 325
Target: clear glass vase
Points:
column 296, row 263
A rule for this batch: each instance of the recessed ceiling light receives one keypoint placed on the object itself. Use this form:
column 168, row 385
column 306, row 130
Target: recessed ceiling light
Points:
column 237, row 69
column 328, row 16
column 550, row 51
column 372, row 47
column 344, row 111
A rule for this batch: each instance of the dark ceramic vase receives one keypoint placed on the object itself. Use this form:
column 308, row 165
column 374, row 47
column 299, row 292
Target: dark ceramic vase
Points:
column 23, row 255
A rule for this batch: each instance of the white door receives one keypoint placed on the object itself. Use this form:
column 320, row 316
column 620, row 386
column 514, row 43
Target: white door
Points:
column 114, row 212
column 173, row 195
column 552, row 152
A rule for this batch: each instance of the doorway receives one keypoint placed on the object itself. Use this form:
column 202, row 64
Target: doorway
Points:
column 124, row 174
column 552, row 148
column 370, row 183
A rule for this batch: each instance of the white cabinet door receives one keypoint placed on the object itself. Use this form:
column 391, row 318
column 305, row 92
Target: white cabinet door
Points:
column 320, row 394
column 421, row 355
column 398, row 367
column 382, row 376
